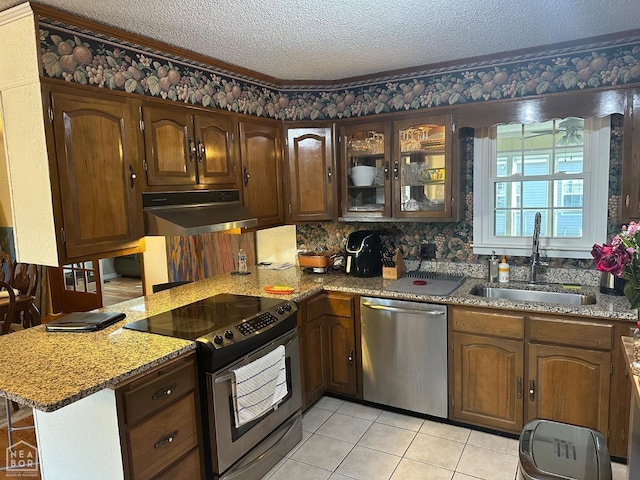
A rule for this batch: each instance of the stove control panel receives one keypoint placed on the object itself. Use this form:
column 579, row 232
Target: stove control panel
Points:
column 231, row 335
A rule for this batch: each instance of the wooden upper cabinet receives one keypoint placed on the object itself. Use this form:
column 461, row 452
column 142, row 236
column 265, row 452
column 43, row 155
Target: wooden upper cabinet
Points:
column 216, row 150
column 405, row 169
column 311, row 174
column 96, row 148
column 183, row 147
column 169, row 146
column 261, row 159
column 425, row 169
column 631, row 159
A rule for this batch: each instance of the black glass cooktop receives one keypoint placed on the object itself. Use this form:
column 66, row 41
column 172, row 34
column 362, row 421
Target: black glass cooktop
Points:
column 205, row 316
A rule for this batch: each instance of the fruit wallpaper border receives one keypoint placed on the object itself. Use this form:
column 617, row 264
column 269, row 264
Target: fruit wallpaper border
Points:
column 87, row 57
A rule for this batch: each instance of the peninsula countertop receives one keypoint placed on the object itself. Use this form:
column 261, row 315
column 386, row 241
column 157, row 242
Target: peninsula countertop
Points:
column 50, row 370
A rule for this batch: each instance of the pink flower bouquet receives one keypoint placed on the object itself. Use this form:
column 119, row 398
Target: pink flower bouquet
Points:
column 622, row 258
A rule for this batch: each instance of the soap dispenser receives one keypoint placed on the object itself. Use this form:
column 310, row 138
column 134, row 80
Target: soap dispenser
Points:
column 503, row 270
column 493, row 268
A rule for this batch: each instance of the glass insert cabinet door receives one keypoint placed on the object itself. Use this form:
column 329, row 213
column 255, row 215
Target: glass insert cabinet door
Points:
column 366, row 170
column 421, row 168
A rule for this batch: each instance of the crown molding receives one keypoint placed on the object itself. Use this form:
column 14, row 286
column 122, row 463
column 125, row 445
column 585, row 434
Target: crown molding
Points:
column 18, row 12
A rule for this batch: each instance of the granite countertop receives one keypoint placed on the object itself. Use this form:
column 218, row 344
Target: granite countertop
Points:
column 50, row 370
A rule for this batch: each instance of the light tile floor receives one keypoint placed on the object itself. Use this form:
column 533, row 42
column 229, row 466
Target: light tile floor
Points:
column 344, row 441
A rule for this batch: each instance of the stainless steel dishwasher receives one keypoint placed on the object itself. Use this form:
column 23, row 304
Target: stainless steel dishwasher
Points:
column 404, row 354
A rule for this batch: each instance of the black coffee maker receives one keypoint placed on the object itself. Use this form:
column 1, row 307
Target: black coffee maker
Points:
column 364, row 254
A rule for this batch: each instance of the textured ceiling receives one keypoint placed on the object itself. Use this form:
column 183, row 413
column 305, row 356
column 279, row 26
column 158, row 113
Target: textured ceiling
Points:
column 334, row 39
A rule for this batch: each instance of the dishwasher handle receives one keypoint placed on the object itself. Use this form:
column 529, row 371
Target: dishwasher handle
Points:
column 402, row 310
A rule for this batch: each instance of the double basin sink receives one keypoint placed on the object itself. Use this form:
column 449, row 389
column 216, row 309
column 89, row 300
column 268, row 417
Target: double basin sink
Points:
column 525, row 295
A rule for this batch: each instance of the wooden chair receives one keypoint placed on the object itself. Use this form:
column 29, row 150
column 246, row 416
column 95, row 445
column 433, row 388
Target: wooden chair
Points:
column 6, row 267
column 8, row 312
column 8, row 318
column 24, row 278
column 8, row 315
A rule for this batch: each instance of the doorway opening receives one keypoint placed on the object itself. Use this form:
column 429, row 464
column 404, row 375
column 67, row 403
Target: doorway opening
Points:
column 121, row 278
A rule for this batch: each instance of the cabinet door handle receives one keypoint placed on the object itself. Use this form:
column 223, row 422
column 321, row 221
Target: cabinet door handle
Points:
column 329, row 175
column 519, row 387
column 245, row 174
column 386, row 170
column 166, row 439
column 200, row 153
column 532, row 390
column 132, row 176
column 164, row 391
column 396, row 168
column 350, row 357
column 192, row 150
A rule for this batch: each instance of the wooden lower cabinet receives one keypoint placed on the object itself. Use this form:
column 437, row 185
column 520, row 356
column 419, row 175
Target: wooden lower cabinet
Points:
column 620, row 397
column 328, row 347
column 488, row 381
column 158, row 418
column 569, row 385
column 507, row 368
column 313, row 350
column 341, row 375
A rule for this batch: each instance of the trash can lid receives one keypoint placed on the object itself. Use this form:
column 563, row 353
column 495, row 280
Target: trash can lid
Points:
column 551, row 450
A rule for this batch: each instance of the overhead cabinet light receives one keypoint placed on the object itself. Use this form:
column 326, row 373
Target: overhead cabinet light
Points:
column 194, row 212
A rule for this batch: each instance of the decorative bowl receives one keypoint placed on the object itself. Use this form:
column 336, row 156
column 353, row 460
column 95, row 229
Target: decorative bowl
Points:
column 363, row 176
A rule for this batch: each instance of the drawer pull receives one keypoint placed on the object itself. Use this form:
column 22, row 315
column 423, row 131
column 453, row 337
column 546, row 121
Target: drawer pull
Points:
column 166, row 440
column 164, row 392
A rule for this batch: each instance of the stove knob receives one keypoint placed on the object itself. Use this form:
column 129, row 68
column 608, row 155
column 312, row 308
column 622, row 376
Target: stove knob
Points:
column 228, row 334
column 287, row 307
column 218, row 339
column 280, row 310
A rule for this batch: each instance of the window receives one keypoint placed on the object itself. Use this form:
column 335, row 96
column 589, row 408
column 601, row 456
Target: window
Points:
column 559, row 168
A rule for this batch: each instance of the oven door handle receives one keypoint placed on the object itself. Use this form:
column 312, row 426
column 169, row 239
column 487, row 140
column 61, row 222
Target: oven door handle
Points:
column 230, row 373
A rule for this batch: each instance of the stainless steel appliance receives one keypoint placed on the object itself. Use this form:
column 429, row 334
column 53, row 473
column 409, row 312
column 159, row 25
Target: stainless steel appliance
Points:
column 404, row 354
column 232, row 331
column 364, row 254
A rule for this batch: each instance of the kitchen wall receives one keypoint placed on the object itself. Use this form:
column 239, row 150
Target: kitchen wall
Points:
column 6, row 230
column 454, row 240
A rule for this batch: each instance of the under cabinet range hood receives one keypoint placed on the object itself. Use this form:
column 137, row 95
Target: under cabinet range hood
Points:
column 193, row 212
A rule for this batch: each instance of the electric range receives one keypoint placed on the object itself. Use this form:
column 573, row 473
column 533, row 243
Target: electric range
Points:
column 225, row 326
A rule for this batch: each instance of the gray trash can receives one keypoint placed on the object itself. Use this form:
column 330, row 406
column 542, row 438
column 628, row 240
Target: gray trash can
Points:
column 553, row 450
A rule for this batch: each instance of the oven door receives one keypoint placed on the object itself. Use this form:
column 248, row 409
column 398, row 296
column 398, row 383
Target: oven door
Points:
column 229, row 443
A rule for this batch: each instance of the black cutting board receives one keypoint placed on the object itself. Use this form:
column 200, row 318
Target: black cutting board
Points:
column 84, row 321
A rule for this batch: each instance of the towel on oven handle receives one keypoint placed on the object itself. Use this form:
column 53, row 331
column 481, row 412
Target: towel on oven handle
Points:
column 259, row 386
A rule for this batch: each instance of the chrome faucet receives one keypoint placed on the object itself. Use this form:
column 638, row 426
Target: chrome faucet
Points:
column 535, row 249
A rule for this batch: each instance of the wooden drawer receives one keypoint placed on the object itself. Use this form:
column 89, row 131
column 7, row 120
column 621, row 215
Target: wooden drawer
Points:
column 162, row 439
column 333, row 303
column 573, row 333
column 162, row 387
column 487, row 322
column 187, row 468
